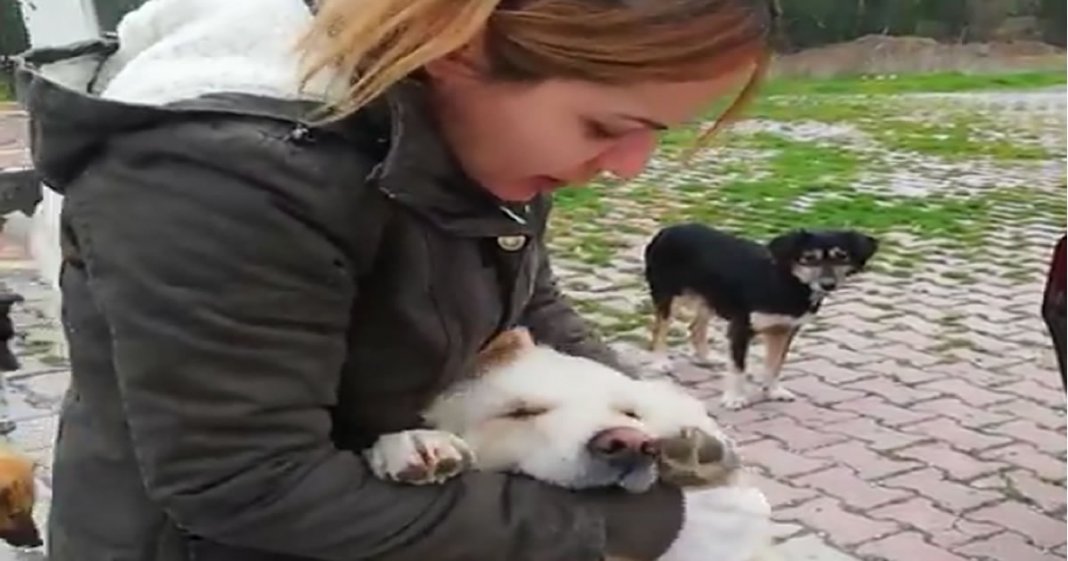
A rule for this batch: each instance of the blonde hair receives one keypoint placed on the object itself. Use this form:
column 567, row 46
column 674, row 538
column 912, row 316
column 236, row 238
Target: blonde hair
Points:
column 373, row 44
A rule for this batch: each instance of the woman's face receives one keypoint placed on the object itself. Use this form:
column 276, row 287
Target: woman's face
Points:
column 520, row 140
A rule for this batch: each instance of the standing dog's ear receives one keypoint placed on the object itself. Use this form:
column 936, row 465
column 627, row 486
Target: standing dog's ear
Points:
column 861, row 248
column 786, row 248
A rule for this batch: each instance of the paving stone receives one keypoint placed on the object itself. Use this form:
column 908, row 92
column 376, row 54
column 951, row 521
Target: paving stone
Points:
column 957, row 465
column 1049, row 441
column 906, row 546
column 961, row 438
column 1030, row 389
column 883, row 411
column 874, row 435
column 967, row 392
column 1047, row 496
column 1038, row 528
column 794, row 435
column 841, row 527
column 1007, row 546
column 950, row 495
column 1042, row 415
column 810, row 548
column 869, row 465
column 818, row 392
column 892, row 391
column 1030, row 458
column 781, row 492
column 938, row 526
column 844, row 484
column 963, row 413
column 779, row 461
column 813, row 416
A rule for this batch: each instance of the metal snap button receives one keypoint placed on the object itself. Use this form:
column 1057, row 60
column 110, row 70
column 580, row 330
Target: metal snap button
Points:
column 511, row 243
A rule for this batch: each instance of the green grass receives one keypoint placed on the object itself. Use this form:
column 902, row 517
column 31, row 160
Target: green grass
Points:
column 937, row 82
column 768, row 183
column 954, row 134
column 6, row 91
column 953, row 139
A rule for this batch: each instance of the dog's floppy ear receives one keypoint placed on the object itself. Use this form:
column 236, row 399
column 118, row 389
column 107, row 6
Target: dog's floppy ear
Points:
column 861, row 248
column 503, row 348
column 785, row 248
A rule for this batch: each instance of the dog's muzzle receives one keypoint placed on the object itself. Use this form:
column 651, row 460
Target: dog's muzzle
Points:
column 624, row 456
column 623, row 448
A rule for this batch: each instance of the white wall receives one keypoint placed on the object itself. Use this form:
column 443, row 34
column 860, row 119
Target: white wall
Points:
column 58, row 22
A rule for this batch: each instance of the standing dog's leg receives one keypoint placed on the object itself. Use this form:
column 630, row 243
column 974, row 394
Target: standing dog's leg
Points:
column 740, row 335
column 661, row 323
column 776, row 344
column 699, row 334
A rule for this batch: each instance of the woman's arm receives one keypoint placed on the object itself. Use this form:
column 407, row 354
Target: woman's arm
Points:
column 229, row 307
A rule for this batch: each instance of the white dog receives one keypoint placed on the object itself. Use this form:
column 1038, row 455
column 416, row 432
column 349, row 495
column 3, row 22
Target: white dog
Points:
column 575, row 423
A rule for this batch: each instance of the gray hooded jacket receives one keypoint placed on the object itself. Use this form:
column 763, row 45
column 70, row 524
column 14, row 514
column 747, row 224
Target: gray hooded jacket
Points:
column 250, row 299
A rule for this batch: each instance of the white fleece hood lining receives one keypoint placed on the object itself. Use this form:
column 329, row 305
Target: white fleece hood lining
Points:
column 175, row 50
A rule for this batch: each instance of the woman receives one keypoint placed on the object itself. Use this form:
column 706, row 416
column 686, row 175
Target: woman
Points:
column 273, row 254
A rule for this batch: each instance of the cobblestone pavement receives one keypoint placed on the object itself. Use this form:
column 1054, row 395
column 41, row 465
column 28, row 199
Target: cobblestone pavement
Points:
column 931, row 420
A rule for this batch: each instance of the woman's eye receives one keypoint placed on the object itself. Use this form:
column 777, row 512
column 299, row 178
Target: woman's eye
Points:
column 598, row 131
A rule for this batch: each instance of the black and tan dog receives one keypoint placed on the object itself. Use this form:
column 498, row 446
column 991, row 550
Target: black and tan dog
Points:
column 759, row 290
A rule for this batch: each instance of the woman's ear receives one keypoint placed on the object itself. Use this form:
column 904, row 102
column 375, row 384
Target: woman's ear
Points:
column 465, row 63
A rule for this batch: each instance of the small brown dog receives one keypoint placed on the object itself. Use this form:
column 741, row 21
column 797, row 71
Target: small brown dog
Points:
column 17, row 498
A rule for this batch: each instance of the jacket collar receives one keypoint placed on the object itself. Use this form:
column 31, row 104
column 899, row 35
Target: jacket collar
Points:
column 421, row 172
column 416, row 168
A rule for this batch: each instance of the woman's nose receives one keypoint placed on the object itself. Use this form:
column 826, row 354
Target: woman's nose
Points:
column 628, row 156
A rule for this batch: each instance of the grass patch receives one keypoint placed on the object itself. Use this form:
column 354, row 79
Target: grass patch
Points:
column 579, row 201
column 773, row 183
column 953, row 136
column 936, row 82
column 954, row 140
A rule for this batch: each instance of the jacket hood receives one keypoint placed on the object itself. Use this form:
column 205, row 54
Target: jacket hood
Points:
column 170, row 58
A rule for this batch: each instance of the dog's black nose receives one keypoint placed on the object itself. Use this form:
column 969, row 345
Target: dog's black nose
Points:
column 623, row 446
column 828, row 284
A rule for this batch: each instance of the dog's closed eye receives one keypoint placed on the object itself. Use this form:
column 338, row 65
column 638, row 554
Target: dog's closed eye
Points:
column 629, row 412
column 524, row 411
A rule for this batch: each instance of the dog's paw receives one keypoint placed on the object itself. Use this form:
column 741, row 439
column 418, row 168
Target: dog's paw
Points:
column 734, row 400
column 779, row 393
column 694, row 458
column 419, row 457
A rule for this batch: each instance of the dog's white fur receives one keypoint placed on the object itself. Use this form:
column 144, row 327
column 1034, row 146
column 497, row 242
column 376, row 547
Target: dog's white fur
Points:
column 571, row 399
